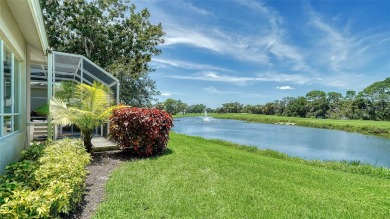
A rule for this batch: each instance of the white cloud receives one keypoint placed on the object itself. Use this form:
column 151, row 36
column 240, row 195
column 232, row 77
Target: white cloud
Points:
column 257, row 45
column 187, row 65
column 285, row 88
column 348, row 59
column 274, row 42
column 216, row 77
column 166, row 94
column 183, row 35
column 332, row 43
column 197, row 10
column 236, row 46
column 287, row 52
column 261, row 8
column 171, row 93
column 213, row 90
column 331, row 55
column 279, row 77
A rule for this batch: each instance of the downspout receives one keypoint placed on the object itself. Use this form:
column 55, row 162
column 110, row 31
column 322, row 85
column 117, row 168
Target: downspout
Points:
column 28, row 94
column 50, row 67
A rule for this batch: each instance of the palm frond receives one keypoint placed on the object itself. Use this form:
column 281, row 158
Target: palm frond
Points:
column 58, row 110
column 93, row 98
column 108, row 112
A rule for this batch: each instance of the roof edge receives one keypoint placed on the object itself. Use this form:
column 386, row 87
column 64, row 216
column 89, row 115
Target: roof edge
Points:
column 39, row 24
column 91, row 62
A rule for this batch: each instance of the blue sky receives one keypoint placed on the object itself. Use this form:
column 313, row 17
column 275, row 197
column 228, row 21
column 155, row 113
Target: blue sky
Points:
column 253, row 51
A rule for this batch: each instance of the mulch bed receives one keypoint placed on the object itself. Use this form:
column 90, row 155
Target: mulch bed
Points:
column 102, row 165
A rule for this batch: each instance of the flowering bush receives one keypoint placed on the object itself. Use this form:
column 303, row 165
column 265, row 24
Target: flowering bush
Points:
column 142, row 132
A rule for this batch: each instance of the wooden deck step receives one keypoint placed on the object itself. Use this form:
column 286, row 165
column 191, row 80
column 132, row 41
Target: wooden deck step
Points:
column 103, row 144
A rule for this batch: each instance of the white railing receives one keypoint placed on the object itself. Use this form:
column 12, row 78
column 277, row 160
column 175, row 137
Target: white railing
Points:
column 38, row 130
column 104, row 129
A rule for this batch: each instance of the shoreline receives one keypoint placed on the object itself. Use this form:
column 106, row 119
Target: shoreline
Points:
column 367, row 127
column 355, row 167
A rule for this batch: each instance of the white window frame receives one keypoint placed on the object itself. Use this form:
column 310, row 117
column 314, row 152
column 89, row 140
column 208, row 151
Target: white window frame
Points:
column 15, row 96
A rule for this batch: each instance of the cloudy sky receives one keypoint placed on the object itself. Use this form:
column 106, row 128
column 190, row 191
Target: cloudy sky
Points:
column 253, row 51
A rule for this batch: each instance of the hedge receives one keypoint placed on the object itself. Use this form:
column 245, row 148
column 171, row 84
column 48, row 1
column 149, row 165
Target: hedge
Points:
column 47, row 182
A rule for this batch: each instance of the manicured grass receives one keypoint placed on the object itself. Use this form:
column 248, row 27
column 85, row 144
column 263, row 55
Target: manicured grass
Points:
column 201, row 178
column 381, row 128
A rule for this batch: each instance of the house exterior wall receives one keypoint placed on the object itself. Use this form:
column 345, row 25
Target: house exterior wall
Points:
column 12, row 145
column 10, row 34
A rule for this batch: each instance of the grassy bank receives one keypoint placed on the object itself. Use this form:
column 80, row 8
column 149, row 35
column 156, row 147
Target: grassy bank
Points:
column 362, row 126
column 201, row 178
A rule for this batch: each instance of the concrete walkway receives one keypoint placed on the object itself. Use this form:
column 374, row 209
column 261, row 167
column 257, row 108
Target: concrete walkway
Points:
column 103, row 144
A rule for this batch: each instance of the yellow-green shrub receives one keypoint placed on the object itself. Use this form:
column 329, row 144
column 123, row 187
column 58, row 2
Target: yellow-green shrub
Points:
column 60, row 176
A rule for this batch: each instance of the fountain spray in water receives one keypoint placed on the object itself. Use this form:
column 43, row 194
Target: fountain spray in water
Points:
column 205, row 117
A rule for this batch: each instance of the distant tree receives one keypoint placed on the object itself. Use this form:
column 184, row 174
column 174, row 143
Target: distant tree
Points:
column 210, row 110
column 297, row 107
column 232, row 107
column 317, row 104
column 170, row 106
column 376, row 100
column 180, row 107
column 372, row 103
column 269, row 108
column 334, row 105
column 196, row 108
column 248, row 109
column 279, row 107
column 349, row 109
column 220, row 110
column 159, row 106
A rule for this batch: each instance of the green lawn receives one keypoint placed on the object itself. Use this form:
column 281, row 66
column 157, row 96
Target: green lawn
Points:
column 363, row 126
column 201, row 178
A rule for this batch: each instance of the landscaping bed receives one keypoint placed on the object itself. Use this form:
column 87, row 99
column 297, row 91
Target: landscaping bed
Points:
column 102, row 165
column 48, row 181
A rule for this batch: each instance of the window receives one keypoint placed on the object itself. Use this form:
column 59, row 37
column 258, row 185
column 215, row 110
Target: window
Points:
column 9, row 92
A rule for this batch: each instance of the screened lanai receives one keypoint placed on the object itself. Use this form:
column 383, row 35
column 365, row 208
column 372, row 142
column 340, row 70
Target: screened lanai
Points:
column 70, row 67
column 44, row 77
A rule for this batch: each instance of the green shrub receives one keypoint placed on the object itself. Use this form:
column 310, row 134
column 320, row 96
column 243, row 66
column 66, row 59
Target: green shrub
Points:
column 22, row 172
column 59, row 181
column 142, row 132
column 35, row 151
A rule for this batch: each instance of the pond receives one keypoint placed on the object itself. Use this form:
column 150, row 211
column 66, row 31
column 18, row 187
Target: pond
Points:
column 307, row 143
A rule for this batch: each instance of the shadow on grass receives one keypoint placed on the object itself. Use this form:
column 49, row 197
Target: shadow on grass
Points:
column 115, row 155
column 167, row 151
column 124, row 155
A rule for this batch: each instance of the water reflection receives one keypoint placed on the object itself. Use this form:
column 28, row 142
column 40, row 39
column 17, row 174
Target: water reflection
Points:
column 308, row 143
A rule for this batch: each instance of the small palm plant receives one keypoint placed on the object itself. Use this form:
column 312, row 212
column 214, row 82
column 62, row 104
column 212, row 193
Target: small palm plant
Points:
column 89, row 107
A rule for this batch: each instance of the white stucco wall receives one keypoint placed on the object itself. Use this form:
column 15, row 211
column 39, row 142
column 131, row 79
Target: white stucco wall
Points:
column 10, row 146
column 10, row 32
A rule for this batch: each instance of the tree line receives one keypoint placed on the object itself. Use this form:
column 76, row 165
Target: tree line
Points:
column 372, row 103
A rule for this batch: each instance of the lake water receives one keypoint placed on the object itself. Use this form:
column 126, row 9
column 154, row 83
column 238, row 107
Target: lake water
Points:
column 308, row 143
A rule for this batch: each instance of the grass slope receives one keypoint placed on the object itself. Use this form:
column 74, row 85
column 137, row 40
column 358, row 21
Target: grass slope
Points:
column 210, row 179
column 381, row 128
